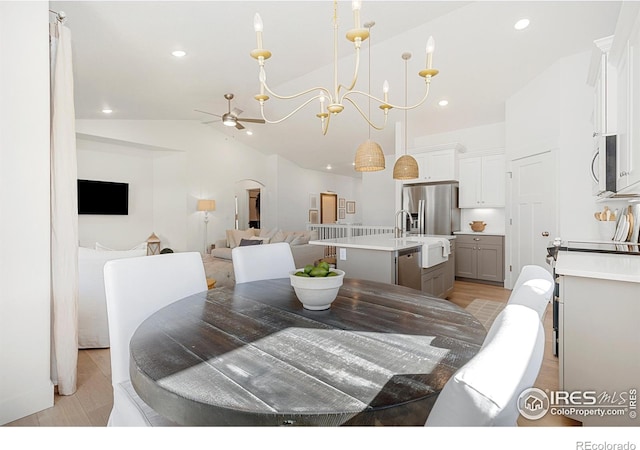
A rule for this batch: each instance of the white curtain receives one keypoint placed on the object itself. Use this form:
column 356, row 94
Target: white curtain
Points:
column 64, row 215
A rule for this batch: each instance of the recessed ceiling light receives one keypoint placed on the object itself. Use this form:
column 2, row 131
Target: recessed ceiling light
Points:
column 107, row 111
column 250, row 133
column 443, row 102
column 521, row 24
column 329, row 167
column 179, row 53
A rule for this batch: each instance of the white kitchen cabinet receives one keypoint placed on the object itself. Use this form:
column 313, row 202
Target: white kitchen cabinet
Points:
column 482, row 182
column 598, row 343
column 436, row 166
column 598, row 337
column 626, row 51
column 603, row 78
column 437, row 163
column 623, row 148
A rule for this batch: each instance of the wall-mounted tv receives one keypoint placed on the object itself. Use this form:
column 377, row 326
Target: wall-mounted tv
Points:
column 103, row 197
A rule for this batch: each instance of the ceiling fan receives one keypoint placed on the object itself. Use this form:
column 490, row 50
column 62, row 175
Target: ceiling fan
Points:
column 230, row 118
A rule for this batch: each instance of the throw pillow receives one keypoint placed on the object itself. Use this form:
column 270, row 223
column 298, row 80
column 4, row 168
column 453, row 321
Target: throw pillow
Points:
column 278, row 237
column 290, row 237
column 268, row 233
column 300, row 240
column 234, row 236
column 247, row 242
column 264, row 240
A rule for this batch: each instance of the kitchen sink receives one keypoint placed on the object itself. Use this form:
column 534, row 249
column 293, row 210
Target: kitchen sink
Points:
column 432, row 251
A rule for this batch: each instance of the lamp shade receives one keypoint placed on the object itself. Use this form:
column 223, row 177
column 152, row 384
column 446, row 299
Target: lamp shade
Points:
column 405, row 168
column 206, row 205
column 369, row 157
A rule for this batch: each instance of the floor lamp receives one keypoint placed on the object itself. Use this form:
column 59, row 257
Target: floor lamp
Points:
column 206, row 206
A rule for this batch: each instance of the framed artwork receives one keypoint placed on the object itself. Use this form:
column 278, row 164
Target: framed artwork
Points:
column 313, row 201
column 341, row 203
column 340, row 213
column 351, row 207
column 313, row 216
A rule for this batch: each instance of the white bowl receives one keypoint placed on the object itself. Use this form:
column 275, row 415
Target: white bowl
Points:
column 316, row 293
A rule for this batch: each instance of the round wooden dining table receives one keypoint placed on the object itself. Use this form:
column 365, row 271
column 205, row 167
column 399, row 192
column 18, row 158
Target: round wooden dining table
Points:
column 251, row 355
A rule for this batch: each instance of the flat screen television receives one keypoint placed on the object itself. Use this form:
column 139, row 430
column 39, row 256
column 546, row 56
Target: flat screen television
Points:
column 103, row 197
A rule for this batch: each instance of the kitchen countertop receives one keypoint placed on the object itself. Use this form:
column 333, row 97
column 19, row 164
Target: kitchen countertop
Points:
column 384, row 242
column 599, row 265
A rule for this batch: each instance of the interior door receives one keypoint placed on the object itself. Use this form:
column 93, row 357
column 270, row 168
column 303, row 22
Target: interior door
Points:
column 532, row 220
column 328, row 207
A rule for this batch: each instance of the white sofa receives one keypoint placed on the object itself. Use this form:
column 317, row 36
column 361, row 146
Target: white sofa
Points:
column 93, row 326
column 218, row 265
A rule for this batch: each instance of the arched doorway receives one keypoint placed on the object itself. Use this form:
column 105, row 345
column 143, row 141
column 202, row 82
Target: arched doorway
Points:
column 249, row 205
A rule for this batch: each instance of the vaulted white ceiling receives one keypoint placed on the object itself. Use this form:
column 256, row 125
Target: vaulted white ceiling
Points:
column 122, row 60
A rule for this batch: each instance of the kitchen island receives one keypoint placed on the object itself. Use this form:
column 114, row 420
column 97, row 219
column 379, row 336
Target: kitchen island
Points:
column 424, row 262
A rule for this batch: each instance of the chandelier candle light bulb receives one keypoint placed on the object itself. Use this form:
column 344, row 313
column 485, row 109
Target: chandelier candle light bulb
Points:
column 258, row 26
column 430, row 47
column 355, row 6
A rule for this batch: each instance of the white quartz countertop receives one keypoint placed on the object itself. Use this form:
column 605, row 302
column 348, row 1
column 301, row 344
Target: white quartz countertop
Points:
column 475, row 233
column 599, row 265
column 384, row 242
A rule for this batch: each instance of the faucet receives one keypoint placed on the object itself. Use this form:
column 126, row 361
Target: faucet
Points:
column 400, row 230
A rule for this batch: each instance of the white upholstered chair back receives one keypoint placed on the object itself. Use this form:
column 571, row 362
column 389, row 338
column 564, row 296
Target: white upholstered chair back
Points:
column 262, row 262
column 534, row 289
column 135, row 288
column 485, row 391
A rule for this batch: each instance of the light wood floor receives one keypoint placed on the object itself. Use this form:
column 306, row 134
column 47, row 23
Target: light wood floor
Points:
column 91, row 404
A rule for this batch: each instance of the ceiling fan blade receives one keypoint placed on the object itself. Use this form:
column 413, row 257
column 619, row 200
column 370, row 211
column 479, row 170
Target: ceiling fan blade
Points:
column 251, row 120
column 239, row 126
column 209, row 121
column 235, row 112
column 204, row 112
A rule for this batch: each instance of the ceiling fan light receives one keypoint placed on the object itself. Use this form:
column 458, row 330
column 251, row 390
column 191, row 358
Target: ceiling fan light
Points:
column 405, row 168
column 229, row 120
column 369, row 157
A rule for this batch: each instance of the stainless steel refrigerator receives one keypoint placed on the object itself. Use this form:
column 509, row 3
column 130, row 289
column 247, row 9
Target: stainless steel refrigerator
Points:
column 433, row 207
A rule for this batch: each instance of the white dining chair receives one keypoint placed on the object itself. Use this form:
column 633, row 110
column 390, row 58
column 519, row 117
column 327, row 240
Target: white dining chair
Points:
column 534, row 289
column 135, row 288
column 485, row 391
column 262, row 262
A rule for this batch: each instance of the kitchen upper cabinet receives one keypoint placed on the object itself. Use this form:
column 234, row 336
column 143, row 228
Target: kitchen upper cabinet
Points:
column 437, row 164
column 625, row 54
column 482, row 182
column 623, row 146
column 602, row 76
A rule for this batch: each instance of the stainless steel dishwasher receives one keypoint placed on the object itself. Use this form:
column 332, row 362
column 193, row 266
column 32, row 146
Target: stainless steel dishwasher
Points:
column 408, row 267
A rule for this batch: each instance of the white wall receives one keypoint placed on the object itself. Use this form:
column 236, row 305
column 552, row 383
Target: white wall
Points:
column 378, row 195
column 555, row 111
column 191, row 161
column 109, row 162
column 25, row 384
column 294, row 185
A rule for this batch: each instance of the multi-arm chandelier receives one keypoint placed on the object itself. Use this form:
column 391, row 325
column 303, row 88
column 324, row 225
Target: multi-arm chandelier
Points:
column 332, row 100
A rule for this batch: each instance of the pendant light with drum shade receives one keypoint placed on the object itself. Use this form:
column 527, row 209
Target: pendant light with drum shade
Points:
column 406, row 167
column 369, row 155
